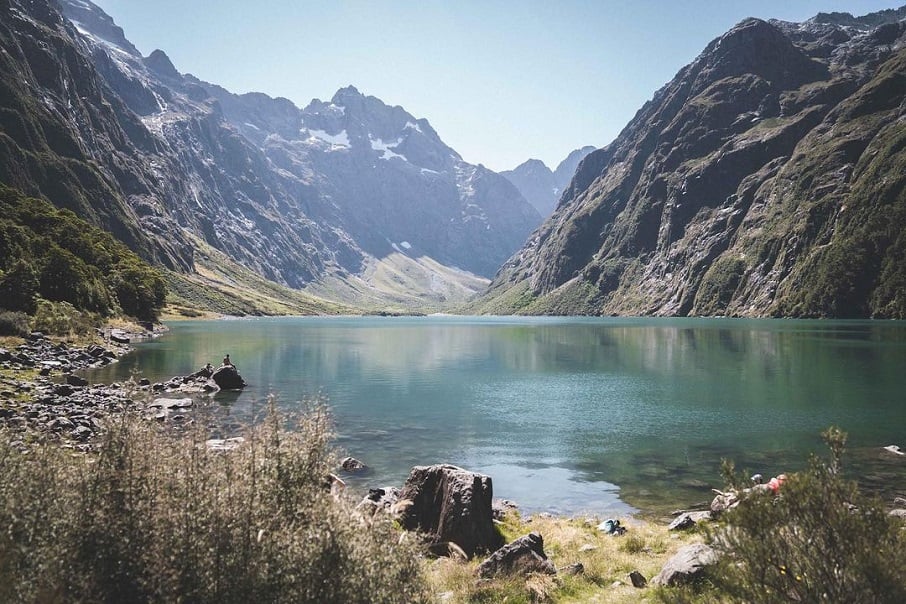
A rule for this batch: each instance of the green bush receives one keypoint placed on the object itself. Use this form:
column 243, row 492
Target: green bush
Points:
column 819, row 540
column 63, row 319
column 13, row 323
column 19, row 287
column 157, row 517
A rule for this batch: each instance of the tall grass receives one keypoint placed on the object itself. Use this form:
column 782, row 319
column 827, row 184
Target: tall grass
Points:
column 158, row 517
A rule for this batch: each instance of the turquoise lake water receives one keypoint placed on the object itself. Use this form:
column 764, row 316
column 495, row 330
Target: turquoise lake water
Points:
column 567, row 415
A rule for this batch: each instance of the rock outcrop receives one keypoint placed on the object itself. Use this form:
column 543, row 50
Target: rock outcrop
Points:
column 450, row 504
column 766, row 179
column 523, row 556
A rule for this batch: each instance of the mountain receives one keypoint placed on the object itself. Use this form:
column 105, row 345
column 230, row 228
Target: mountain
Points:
column 542, row 187
column 768, row 178
column 398, row 187
column 351, row 199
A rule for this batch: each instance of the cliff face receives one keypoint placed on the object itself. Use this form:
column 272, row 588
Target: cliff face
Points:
column 164, row 160
column 66, row 136
column 766, row 179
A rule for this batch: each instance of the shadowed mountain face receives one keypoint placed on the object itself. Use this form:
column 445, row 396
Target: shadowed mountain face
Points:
column 768, row 178
column 163, row 159
column 541, row 186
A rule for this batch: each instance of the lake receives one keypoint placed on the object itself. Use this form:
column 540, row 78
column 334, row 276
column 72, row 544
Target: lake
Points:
column 567, row 415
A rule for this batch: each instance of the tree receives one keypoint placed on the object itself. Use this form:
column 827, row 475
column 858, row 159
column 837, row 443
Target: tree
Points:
column 19, row 287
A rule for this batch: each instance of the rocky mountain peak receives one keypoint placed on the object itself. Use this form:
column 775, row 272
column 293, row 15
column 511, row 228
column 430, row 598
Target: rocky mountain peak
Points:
column 532, row 165
column 865, row 22
column 567, row 168
column 352, row 120
column 160, row 63
column 765, row 179
column 755, row 47
column 346, row 95
column 542, row 186
column 90, row 19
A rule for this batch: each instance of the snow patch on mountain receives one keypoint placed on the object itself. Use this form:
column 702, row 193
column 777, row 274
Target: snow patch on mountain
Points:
column 340, row 139
column 386, row 149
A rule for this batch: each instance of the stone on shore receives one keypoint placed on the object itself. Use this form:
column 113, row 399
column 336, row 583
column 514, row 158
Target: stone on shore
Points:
column 449, row 503
column 523, row 556
column 172, row 403
column 688, row 565
column 687, row 520
column 501, row 507
column 381, row 499
column 638, row 579
column 119, row 336
column 75, row 380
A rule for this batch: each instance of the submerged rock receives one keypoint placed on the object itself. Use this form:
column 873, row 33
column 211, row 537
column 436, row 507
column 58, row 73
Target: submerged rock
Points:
column 351, row 464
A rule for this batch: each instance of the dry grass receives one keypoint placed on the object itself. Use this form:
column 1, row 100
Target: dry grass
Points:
column 607, row 562
column 158, row 517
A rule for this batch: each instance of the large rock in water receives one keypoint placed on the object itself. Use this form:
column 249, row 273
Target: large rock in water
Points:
column 451, row 504
column 228, row 378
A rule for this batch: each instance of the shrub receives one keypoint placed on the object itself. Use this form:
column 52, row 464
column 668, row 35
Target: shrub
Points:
column 154, row 517
column 13, row 323
column 820, row 540
column 19, row 287
column 63, row 319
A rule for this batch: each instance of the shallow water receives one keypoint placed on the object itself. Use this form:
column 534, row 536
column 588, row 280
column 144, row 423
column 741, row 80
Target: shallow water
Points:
column 568, row 415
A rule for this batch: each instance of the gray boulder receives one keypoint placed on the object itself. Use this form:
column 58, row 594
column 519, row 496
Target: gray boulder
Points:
column 449, row 503
column 687, row 520
column 227, row 378
column 523, row 556
column 687, row 565
column 381, row 499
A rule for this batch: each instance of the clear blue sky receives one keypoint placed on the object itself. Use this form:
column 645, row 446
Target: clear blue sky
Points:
column 500, row 81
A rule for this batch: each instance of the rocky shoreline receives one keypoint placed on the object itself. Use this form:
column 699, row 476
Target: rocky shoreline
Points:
column 449, row 508
column 42, row 395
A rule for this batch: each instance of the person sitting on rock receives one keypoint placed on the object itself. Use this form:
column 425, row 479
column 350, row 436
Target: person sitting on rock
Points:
column 227, row 362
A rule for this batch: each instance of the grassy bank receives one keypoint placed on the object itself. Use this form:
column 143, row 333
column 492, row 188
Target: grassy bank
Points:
column 606, row 561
